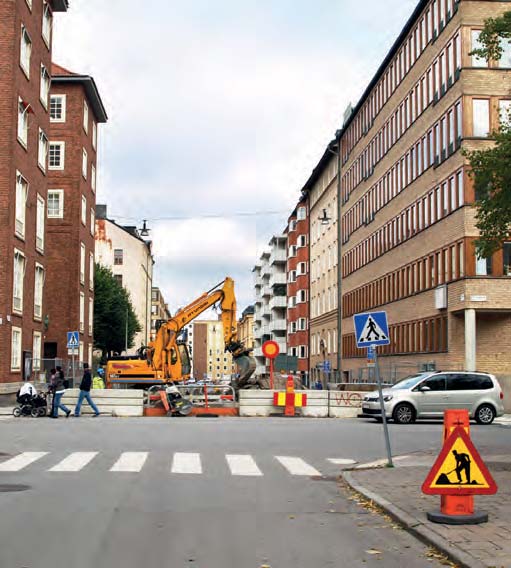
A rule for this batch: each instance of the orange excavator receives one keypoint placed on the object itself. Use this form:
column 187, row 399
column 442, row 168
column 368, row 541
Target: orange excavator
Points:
column 166, row 359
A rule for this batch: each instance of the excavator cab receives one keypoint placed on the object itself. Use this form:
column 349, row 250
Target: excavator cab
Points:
column 184, row 356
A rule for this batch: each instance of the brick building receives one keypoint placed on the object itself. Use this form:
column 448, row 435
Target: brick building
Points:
column 298, row 287
column 408, row 221
column 25, row 66
column 76, row 110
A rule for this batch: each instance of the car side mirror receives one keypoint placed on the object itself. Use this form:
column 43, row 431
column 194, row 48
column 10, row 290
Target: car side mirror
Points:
column 424, row 388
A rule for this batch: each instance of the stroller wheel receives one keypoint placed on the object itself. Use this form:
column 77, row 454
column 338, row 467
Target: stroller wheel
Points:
column 16, row 411
column 34, row 412
column 42, row 411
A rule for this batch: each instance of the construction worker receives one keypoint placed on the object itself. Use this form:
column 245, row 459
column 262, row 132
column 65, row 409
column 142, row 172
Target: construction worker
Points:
column 462, row 464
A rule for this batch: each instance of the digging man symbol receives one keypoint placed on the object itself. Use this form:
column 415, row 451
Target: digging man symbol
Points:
column 462, row 464
column 372, row 330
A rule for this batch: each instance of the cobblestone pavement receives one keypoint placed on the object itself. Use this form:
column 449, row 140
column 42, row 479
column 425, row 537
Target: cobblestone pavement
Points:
column 398, row 490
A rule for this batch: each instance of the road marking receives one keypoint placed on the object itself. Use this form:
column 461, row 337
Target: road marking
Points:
column 75, row 461
column 21, row 461
column 241, row 464
column 186, row 463
column 341, row 461
column 296, row 466
column 130, row 462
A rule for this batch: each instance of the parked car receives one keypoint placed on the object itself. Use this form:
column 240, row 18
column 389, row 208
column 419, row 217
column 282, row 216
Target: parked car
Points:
column 427, row 395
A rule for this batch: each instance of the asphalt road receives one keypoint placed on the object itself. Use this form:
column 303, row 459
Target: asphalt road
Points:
column 194, row 498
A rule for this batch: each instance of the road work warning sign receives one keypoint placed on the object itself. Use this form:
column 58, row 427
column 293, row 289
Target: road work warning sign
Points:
column 459, row 469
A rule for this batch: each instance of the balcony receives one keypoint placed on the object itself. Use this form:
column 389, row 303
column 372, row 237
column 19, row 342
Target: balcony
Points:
column 278, row 302
column 265, row 270
column 266, row 291
column 278, row 324
column 278, row 278
column 278, row 256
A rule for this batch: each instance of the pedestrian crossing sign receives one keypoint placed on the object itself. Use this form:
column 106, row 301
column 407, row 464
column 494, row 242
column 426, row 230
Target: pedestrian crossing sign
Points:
column 73, row 340
column 371, row 329
column 459, row 469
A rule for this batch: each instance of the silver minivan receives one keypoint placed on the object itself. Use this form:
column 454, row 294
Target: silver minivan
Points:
column 427, row 395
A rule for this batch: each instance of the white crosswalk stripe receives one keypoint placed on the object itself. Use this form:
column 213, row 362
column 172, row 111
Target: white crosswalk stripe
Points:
column 241, row 464
column 186, row 463
column 297, row 466
column 130, row 462
column 75, row 461
column 21, row 461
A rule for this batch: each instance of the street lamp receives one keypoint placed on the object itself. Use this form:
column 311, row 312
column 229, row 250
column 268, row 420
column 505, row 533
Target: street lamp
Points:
column 144, row 232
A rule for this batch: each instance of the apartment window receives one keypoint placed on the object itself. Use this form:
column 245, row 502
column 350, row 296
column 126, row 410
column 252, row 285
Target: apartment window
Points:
column 292, row 225
column 483, row 266
column 82, row 263
column 91, row 271
column 84, row 210
column 21, row 204
column 80, row 351
column 25, row 51
column 94, row 134
column 118, row 278
column 90, row 355
column 302, row 269
column 302, row 351
column 38, row 291
column 302, row 324
column 118, row 256
column 82, row 311
column 55, row 203
column 292, row 250
column 302, row 241
column 505, row 113
column 84, row 163
column 39, row 232
column 292, row 276
column 505, row 59
column 476, row 44
column 85, row 116
column 481, row 117
column 57, row 155
column 15, row 349
column 44, row 89
column 23, row 110
column 93, row 177
column 36, row 351
column 47, row 23
column 506, row 250
column 301, row 213
column 301, row 296
column 18, row 278
column 58, row 108
column 92, row 221
column 42, row 154
column 91, row 315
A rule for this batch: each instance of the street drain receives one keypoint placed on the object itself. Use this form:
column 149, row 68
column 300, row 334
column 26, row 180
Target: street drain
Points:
column 12, row 487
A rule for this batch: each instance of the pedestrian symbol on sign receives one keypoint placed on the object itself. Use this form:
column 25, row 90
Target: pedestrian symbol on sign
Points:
column 371, row 329
column 374, row 333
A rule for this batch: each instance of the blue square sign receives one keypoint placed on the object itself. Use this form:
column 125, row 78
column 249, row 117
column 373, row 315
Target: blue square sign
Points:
column 371, row 329
column 73, row 339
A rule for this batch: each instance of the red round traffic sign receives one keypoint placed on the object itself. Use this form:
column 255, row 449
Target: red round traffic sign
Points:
column 270, row 349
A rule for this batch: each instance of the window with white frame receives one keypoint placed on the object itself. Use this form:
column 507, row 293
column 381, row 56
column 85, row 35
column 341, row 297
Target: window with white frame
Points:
column 55, row 203
column 92, row 221
column 18, row 279
column 302, row 241
column 481, row 117
column 36, row 351
column 82, row 263
column 292, row 276
column 84, row 163
column 291, row 302
column 57, row 154
column 84, row 210
column 42, row 153
column 292, row 225
column 477, row 61
column 301, row 269
column 90, row 355
column 21, row 205
column 505, row 58
column 15, row 349
column 292, row 250
column 80, row 351
column 44, row 89
column 39, row 231
column 25, row 51
column 23, row 110
column 301, row 213
column 94, row 134
column 302, row 324
column 91, row 271
column 85, row 116
column 38, row 291
column 505, row 113
column 91, row 315
column 47, row 23
column 301, row 296
column 93, row 177
column 58, row 108
column 82, row 311
column 302, row 351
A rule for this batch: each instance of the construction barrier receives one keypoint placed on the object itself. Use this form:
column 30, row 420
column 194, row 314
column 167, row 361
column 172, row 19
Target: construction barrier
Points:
column 261, row 403
column 113, row 402
column 345, row 404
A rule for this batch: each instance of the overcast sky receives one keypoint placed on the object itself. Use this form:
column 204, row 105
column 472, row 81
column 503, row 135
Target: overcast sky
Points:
column 219, row 108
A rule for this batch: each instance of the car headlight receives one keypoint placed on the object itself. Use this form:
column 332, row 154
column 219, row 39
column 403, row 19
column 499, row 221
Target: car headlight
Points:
column 388, row 397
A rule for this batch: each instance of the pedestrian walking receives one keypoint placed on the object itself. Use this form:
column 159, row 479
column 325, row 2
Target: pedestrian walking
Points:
column 85, row 387
column 59, row 389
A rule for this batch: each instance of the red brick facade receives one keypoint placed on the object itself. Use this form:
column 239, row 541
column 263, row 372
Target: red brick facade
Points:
column 20, row 93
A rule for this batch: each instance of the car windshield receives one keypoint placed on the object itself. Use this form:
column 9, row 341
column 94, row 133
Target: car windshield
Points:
column 409, row 382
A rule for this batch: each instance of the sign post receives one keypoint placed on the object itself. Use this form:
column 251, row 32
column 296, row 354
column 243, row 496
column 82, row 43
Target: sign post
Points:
column 270, row 350
column 371, row 330
column 73, row 342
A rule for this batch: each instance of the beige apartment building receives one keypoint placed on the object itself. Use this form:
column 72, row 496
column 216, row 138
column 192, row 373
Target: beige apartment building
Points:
column 408, row 221
column 210, row 360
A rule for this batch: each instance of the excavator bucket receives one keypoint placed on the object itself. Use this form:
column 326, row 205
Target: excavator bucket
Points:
column 246, row 367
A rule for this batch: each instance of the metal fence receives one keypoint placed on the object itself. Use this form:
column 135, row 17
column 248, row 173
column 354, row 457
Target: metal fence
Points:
column 39, row 370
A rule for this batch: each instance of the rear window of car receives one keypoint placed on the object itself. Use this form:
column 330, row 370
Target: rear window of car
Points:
column 468, row 381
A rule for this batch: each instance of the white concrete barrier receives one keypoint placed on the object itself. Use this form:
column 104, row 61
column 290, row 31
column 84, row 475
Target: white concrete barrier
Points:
column 345, row 404
column 113, row 402
column 260, row 403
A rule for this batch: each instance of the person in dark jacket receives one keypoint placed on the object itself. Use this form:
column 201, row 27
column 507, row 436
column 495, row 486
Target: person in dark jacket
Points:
column 85, row 387
column 59, row 389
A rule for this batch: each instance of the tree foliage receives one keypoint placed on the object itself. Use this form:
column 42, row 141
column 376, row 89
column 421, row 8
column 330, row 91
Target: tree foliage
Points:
column 491, row 167
column 111, row 304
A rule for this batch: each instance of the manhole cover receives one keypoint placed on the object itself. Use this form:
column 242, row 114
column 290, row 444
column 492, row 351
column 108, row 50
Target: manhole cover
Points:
column 12, row 487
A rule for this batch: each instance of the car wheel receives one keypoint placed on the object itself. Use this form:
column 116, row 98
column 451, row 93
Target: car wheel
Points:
column 404, row 414
column 485, row 414
column 16, row 411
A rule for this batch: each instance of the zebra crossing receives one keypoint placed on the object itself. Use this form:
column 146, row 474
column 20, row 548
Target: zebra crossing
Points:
column 179, row 463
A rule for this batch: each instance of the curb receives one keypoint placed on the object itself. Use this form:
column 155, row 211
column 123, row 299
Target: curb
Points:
column 415, row 526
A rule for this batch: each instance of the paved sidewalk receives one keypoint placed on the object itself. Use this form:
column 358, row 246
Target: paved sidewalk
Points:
column 398, row 491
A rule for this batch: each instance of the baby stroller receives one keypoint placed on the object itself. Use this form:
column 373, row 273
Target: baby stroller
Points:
column 29, row 405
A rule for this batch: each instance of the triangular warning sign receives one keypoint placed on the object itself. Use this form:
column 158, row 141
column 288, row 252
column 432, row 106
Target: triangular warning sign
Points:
column 371, row 332
column 459, row 469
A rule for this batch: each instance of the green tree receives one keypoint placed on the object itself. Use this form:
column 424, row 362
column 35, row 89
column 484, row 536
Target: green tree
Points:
column 491, row 167
column 111, row 304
